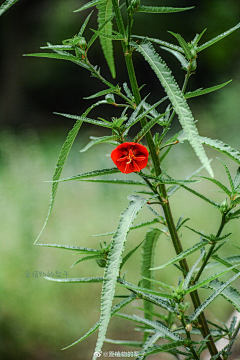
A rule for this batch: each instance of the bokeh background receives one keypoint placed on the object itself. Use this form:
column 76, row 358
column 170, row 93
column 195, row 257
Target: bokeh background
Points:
column 39, row 317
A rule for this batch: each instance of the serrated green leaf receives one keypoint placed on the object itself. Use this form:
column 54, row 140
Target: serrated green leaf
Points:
column 111, row 36
column 147, row 262
column 212, row 297
column 217, row 38
column 116, row 181
column 58, row 55
column 160, row 42
column 145, row 292
column 82, row 250
column 83, row 27
column 236, row 180
column 89, row 4
column 228, row 175
column 217, row 356
column 137, row 226
column 191, row 272
column 183, row 254
column 229, row 293
column 162, row 9
column 215, row 204
column 114, row 310
column 104, row 12
column 101, row 93
column 100, row 140
column 133, row 119
column 85, row 119
column 124, row 342
column 183, row 44
column 208, row 280
column 91, row 257
column 219, row 184
column 92, row 174
column 162, row 348
column 59, row 167
column 150, row 341
column 177, row 99
column 200, row 92
column 6, row 5
column 166, row 333
column 222, row 147
column 113, row 263
column 77, row 280
column 147, row 128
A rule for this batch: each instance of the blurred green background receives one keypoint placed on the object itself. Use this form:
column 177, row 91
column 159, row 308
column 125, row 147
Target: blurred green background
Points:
column 39, row 317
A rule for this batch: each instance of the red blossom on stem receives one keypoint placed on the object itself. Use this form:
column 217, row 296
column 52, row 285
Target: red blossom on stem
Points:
column 130, row 157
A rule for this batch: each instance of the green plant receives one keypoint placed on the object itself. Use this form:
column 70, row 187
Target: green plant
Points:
column 178, row 321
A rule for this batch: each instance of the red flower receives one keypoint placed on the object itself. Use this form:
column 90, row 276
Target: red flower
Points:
column 130, row 157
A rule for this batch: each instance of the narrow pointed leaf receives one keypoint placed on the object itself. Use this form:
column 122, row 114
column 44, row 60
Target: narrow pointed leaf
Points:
column 82, row 250
column 124, row 342
column 83, row 27
column 209, row 279
column 6, row 5
column 148, row 344
column 91, row 257
column 222, row 147
column 215, row 204
column 147, row 128
column 101, row 93
column 100, row 28
column 104, row 12
column 111, row 36
column 100, row 140
column 126, row 257
column 85, row 119
column 147, row 262
column 219, row 184
column 116, row 181
column 236, row 180
column 92, row 174
column 200, row 92
column 65, row 56
column 212, row 297
column 183, row 254
column 217, row 38
column 183, row 44
column 191, row 272
column 89, row 4
column 179, row 57
column 229, row 175
column 166, row 333
column 145, row 292
column 160, row 42
column 114, row 310
column 137, row 226
column 162, row 9
column 162, row 348
column 59, row 167
column 77, row 280
column 114, row 262
column 229, row 293
column 177, row 99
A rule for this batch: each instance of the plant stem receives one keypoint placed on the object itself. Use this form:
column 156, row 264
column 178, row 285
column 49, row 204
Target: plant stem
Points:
column 162, row 189
column 210, row 251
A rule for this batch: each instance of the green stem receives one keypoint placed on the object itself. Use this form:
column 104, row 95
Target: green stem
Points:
column 162, row 189
column 211, row 249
